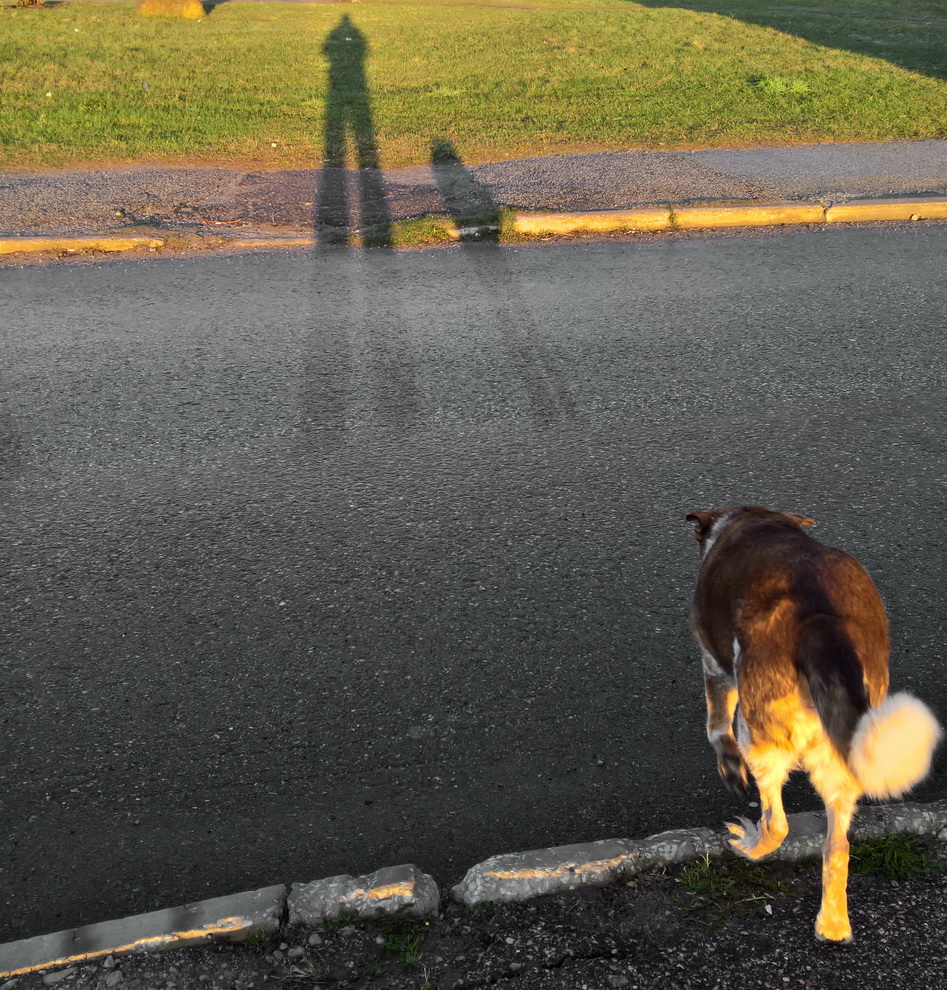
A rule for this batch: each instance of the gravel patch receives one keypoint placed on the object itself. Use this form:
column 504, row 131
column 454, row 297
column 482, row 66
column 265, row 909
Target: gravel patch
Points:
column 654, row 931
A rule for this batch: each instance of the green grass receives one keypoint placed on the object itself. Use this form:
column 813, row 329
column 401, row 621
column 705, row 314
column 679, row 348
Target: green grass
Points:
column 894, row 857
column 248, row 85
column 782, row 86
column 256, row 937
column 716, row 889
column 908, row 33
column 426, row 231
column 403, row 938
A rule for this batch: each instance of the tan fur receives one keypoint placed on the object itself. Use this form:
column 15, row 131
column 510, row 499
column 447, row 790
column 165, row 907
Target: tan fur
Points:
column 761, row 583
column 892, row 746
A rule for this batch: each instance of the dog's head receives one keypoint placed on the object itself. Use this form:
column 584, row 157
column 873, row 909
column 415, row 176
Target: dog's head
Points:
column 709, row 525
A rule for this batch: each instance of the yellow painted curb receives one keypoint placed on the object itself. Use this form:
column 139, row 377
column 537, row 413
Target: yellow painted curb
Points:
column 31, row 245
column 696, row 217
column 598, row 222
column 551, row 224
column 887, row 209
column 253, row 242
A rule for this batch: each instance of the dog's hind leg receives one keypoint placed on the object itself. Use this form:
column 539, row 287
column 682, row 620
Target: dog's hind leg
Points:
column 840, row 792
column 770, row 766
column 832, row 923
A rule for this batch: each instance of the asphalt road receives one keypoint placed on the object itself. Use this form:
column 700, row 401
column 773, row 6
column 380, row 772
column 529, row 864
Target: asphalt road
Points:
column 320, row 562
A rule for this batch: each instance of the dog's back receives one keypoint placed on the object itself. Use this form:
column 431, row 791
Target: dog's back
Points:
column 801, row 623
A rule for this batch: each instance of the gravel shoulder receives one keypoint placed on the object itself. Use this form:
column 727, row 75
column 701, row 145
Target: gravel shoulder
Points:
column 658, row 930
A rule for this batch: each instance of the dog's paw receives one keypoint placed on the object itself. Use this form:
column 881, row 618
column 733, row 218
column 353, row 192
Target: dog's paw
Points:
column 733, row 773
column 748, row 839
column 754, row 841
column 746, row 836
column 832, row 929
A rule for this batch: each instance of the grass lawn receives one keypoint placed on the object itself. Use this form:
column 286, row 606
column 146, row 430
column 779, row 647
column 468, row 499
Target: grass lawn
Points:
column 250, row 84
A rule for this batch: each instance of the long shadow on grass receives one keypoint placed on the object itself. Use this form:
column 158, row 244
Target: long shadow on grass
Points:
column 349, row 112
column 358, row 367
column 471, row 204
column 912, row 40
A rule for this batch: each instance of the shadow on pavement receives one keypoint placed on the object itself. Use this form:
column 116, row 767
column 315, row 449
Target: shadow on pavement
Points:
column 359, row 370
column 470, row 202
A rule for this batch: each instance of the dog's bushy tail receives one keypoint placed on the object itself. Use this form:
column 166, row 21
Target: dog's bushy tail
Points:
column 892, row 746
column 833, row 673
column 888, row 748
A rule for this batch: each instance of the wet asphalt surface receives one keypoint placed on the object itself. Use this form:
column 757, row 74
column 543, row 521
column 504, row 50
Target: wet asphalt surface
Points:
column 325, row 561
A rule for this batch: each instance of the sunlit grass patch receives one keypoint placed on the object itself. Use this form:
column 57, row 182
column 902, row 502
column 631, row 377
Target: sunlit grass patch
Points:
column 249, row 84
column 781, row 86
column 192, row 9
column 426, row 231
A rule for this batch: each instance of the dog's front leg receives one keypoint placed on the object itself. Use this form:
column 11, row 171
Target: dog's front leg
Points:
column 722, row 700
column 770, row 766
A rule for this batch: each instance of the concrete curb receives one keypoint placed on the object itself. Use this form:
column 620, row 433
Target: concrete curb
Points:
column 711, row 217
column 65, row 245
column 663, row 218
column 887, row 209
column 704, row 217
column 258, row 242
column 392, row 890
column 520, row 876
column 222, row 918
column 406, row 890
column 601, row 222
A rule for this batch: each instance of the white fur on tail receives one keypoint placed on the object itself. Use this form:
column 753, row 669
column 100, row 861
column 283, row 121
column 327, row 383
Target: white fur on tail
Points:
column 892, row 746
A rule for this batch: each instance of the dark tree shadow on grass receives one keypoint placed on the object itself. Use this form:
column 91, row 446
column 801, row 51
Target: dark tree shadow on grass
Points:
column 912, row 40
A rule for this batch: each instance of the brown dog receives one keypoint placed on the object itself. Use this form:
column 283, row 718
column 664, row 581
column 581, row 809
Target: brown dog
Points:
column 795, row 632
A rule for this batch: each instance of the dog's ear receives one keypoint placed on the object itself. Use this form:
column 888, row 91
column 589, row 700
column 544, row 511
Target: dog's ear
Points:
column 703, row 521
column 799, row 520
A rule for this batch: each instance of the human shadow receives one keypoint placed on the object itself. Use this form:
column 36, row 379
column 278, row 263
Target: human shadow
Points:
column 869, row 32
column 469, row 202
column 359, row 367
column 474, row 208
column 349, row 112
